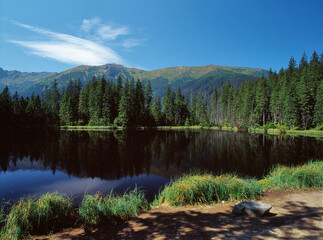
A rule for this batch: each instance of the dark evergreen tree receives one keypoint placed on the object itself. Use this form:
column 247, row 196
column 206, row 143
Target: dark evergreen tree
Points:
column 168, row 106
column 318, row 108
column 214, row 106
column 156, row 111
column 5, row 107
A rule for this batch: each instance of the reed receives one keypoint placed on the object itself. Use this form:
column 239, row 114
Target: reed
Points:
column 97, row 209
column 201, row 188
column 308, row 175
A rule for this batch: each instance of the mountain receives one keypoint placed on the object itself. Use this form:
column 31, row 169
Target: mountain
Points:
column 190, row 79
column 20, row 81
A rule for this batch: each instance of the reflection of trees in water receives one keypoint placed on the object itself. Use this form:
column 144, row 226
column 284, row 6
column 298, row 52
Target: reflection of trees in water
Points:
column 112, row 155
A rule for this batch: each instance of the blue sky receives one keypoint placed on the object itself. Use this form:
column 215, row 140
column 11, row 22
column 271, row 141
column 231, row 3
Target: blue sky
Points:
column 39, row 35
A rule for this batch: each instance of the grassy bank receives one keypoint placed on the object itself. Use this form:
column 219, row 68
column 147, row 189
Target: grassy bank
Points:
column 53, row 211
column 50, row 212
column 308, row 175
column 112, row 208
column 206, row 188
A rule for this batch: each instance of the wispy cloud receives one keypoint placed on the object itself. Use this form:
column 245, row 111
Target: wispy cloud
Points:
column 70, row 49
column 103, row 32
column 132, row 42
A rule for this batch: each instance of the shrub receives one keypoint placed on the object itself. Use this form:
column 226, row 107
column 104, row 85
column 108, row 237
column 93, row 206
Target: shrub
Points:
column 206, row 188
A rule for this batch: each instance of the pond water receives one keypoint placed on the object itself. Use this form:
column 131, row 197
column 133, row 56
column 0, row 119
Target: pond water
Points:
column 33, row 162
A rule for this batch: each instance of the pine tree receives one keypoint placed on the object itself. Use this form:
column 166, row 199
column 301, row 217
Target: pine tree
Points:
column 93, row 103
column 65, row 111
column 291, row 65
column 201, row 112
column 5, row 107
column 305, row 107
column 261, row 107
column 192, row 110
column 303, row 62
column 169, row 106
column 107, row 103
column 83, row 111
column 139, row 107
column 290, row 105
column 214, row 106
column 53, row 104
column 179, row 108
column 148, row 103
column 156, row 111
column 125, row 107
column 318, row 107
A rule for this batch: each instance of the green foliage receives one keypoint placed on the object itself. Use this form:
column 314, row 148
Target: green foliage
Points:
column 112, row 208
column 308, row 175
column 2, row 218
column 318, row 108
column 30, row 217
column 290, row 99
column 206, row 188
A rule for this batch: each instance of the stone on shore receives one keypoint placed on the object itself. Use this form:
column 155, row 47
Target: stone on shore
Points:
column 251, row 208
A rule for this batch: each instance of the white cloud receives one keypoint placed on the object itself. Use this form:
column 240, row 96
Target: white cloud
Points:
column 102, row 32
column 69, row 49
column 132, row 42
column 107, row 32
column 88, row 24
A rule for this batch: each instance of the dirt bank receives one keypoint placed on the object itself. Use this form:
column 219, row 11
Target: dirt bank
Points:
column 295, row 214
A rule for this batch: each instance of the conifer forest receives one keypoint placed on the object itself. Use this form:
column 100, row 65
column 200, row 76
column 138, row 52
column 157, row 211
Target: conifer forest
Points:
column 291, row 98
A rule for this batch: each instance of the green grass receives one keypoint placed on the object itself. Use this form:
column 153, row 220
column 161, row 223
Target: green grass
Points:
column 308, row 175
column 206, row 188
column 2, row 220
column 27, row 217
column 52, row 211
column 112, row 208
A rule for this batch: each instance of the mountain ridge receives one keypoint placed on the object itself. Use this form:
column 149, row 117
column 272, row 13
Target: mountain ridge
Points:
column 189, row 78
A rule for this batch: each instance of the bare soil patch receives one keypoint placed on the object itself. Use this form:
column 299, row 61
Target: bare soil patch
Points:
column 295, row 215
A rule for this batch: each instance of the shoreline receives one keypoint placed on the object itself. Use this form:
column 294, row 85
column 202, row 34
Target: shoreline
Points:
column 32, row 216
column 294, row 214
column 270, row 131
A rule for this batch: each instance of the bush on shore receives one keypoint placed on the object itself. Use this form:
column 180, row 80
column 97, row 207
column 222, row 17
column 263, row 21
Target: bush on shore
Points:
column 206, row 188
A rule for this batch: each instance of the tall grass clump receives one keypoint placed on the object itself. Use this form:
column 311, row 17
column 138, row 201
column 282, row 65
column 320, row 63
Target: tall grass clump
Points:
column 308, row 175
column 96, row 209
column 27, row 217
column 197, row 188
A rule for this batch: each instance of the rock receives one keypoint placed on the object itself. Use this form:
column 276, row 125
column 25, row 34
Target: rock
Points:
column 251, row 208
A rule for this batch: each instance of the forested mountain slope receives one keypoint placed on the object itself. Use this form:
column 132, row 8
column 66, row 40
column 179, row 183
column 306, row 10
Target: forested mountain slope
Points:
column 190, row 79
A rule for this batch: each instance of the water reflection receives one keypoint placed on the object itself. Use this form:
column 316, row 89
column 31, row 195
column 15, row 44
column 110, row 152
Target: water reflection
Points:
column 112, row 155
column 120, row 155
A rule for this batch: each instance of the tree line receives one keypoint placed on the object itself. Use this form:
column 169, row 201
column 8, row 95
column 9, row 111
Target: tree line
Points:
column 291, row 98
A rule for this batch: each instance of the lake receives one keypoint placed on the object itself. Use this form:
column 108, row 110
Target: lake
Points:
column 33, row 162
